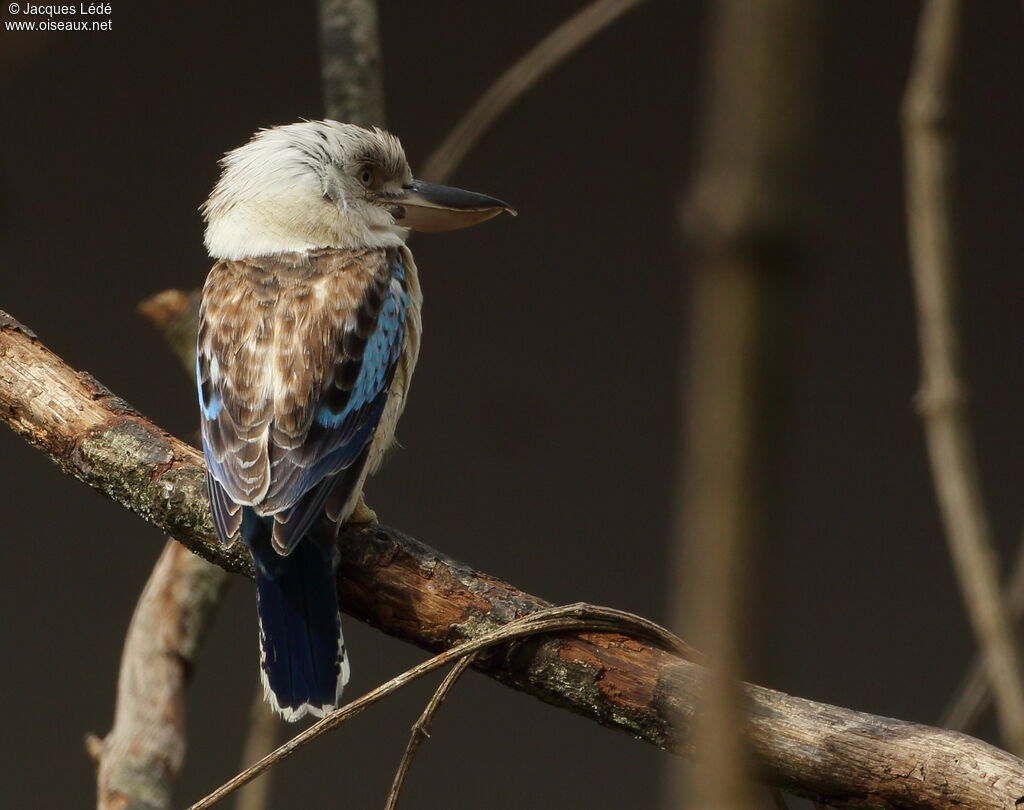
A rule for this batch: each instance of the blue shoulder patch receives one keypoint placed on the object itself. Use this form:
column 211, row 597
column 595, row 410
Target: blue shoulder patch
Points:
column 381, row 353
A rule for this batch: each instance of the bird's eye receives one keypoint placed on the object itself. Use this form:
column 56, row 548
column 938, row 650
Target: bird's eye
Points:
column 366, row 176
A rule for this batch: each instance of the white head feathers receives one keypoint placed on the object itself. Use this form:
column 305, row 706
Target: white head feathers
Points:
column 305, row 186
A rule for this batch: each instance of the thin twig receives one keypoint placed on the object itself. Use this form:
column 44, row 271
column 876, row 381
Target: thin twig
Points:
column 421, row 728
column 415, row 593
column 565, row 617
column 929, row 153
column 547, row 54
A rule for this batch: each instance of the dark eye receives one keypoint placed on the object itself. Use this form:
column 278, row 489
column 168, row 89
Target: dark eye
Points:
column 366, row 176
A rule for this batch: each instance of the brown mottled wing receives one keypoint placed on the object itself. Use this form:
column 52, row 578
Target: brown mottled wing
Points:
column 287, row 406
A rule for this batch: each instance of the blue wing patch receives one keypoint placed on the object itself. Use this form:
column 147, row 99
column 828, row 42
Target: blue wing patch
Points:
column 379, row 357
column 341, row 436
column 210, row 402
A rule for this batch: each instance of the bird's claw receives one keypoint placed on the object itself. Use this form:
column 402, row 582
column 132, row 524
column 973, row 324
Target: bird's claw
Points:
column 362, row 513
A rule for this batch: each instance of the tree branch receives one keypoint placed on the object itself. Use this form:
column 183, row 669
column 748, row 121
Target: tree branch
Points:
column 578, row 617
column 974, row 695
column 743, row 227
column 140, row 757
column 265, row 729
column 929, row 155
column 350, row 62
column 410, row 591
column 513, row 84
column 421, row 728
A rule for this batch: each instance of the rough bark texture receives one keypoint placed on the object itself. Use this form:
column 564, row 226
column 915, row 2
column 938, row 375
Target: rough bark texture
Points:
column 100, row 439
column 415, row 593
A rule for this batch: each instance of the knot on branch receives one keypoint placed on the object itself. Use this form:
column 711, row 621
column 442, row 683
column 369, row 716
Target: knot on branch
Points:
column 941, row 399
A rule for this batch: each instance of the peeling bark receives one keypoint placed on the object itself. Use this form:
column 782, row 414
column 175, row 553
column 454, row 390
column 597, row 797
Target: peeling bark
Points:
column 100, row 439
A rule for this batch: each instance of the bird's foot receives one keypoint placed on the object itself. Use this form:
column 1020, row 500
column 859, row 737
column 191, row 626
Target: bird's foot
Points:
column 362, row 513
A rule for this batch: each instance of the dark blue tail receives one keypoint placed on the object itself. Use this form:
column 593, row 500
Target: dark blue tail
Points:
column 302, row 653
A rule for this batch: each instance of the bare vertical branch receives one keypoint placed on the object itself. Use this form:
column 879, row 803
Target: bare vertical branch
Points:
column 350, row 62
column 264, row 732
column 741, row 221
column 140, row 757
column 928, row 109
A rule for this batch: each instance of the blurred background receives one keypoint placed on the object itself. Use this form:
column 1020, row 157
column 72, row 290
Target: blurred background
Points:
column 542, row 434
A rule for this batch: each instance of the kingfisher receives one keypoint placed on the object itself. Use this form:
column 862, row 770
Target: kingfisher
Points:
column 309, row 332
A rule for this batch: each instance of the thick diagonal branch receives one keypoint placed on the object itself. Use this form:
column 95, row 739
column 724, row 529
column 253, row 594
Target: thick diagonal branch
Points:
column 415, row 593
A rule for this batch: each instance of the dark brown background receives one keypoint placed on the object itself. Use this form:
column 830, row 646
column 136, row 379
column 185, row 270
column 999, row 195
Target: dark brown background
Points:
column 540, row 431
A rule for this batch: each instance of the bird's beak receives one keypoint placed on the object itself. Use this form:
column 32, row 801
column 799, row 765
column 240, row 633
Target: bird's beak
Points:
column 432, row 207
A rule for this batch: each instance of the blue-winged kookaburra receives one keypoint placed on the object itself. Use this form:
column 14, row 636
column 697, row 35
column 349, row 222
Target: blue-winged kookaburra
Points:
column 308, row 335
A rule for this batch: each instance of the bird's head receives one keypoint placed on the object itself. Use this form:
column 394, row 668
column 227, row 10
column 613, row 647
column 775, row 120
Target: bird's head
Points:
column 320, row 184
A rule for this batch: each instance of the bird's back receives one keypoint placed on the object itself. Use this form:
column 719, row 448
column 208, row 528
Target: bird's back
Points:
column 296, row 356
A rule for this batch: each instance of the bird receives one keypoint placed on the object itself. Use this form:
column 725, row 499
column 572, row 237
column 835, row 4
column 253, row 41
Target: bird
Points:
column 309, row 332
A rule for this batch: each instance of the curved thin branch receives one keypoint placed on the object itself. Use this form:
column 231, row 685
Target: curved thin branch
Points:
column 547, row 54
column 929, row 154
column 544, row 621
column 410, row 591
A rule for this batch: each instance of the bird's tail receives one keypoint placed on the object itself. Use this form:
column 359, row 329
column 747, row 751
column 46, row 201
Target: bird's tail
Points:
column 302, row 652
